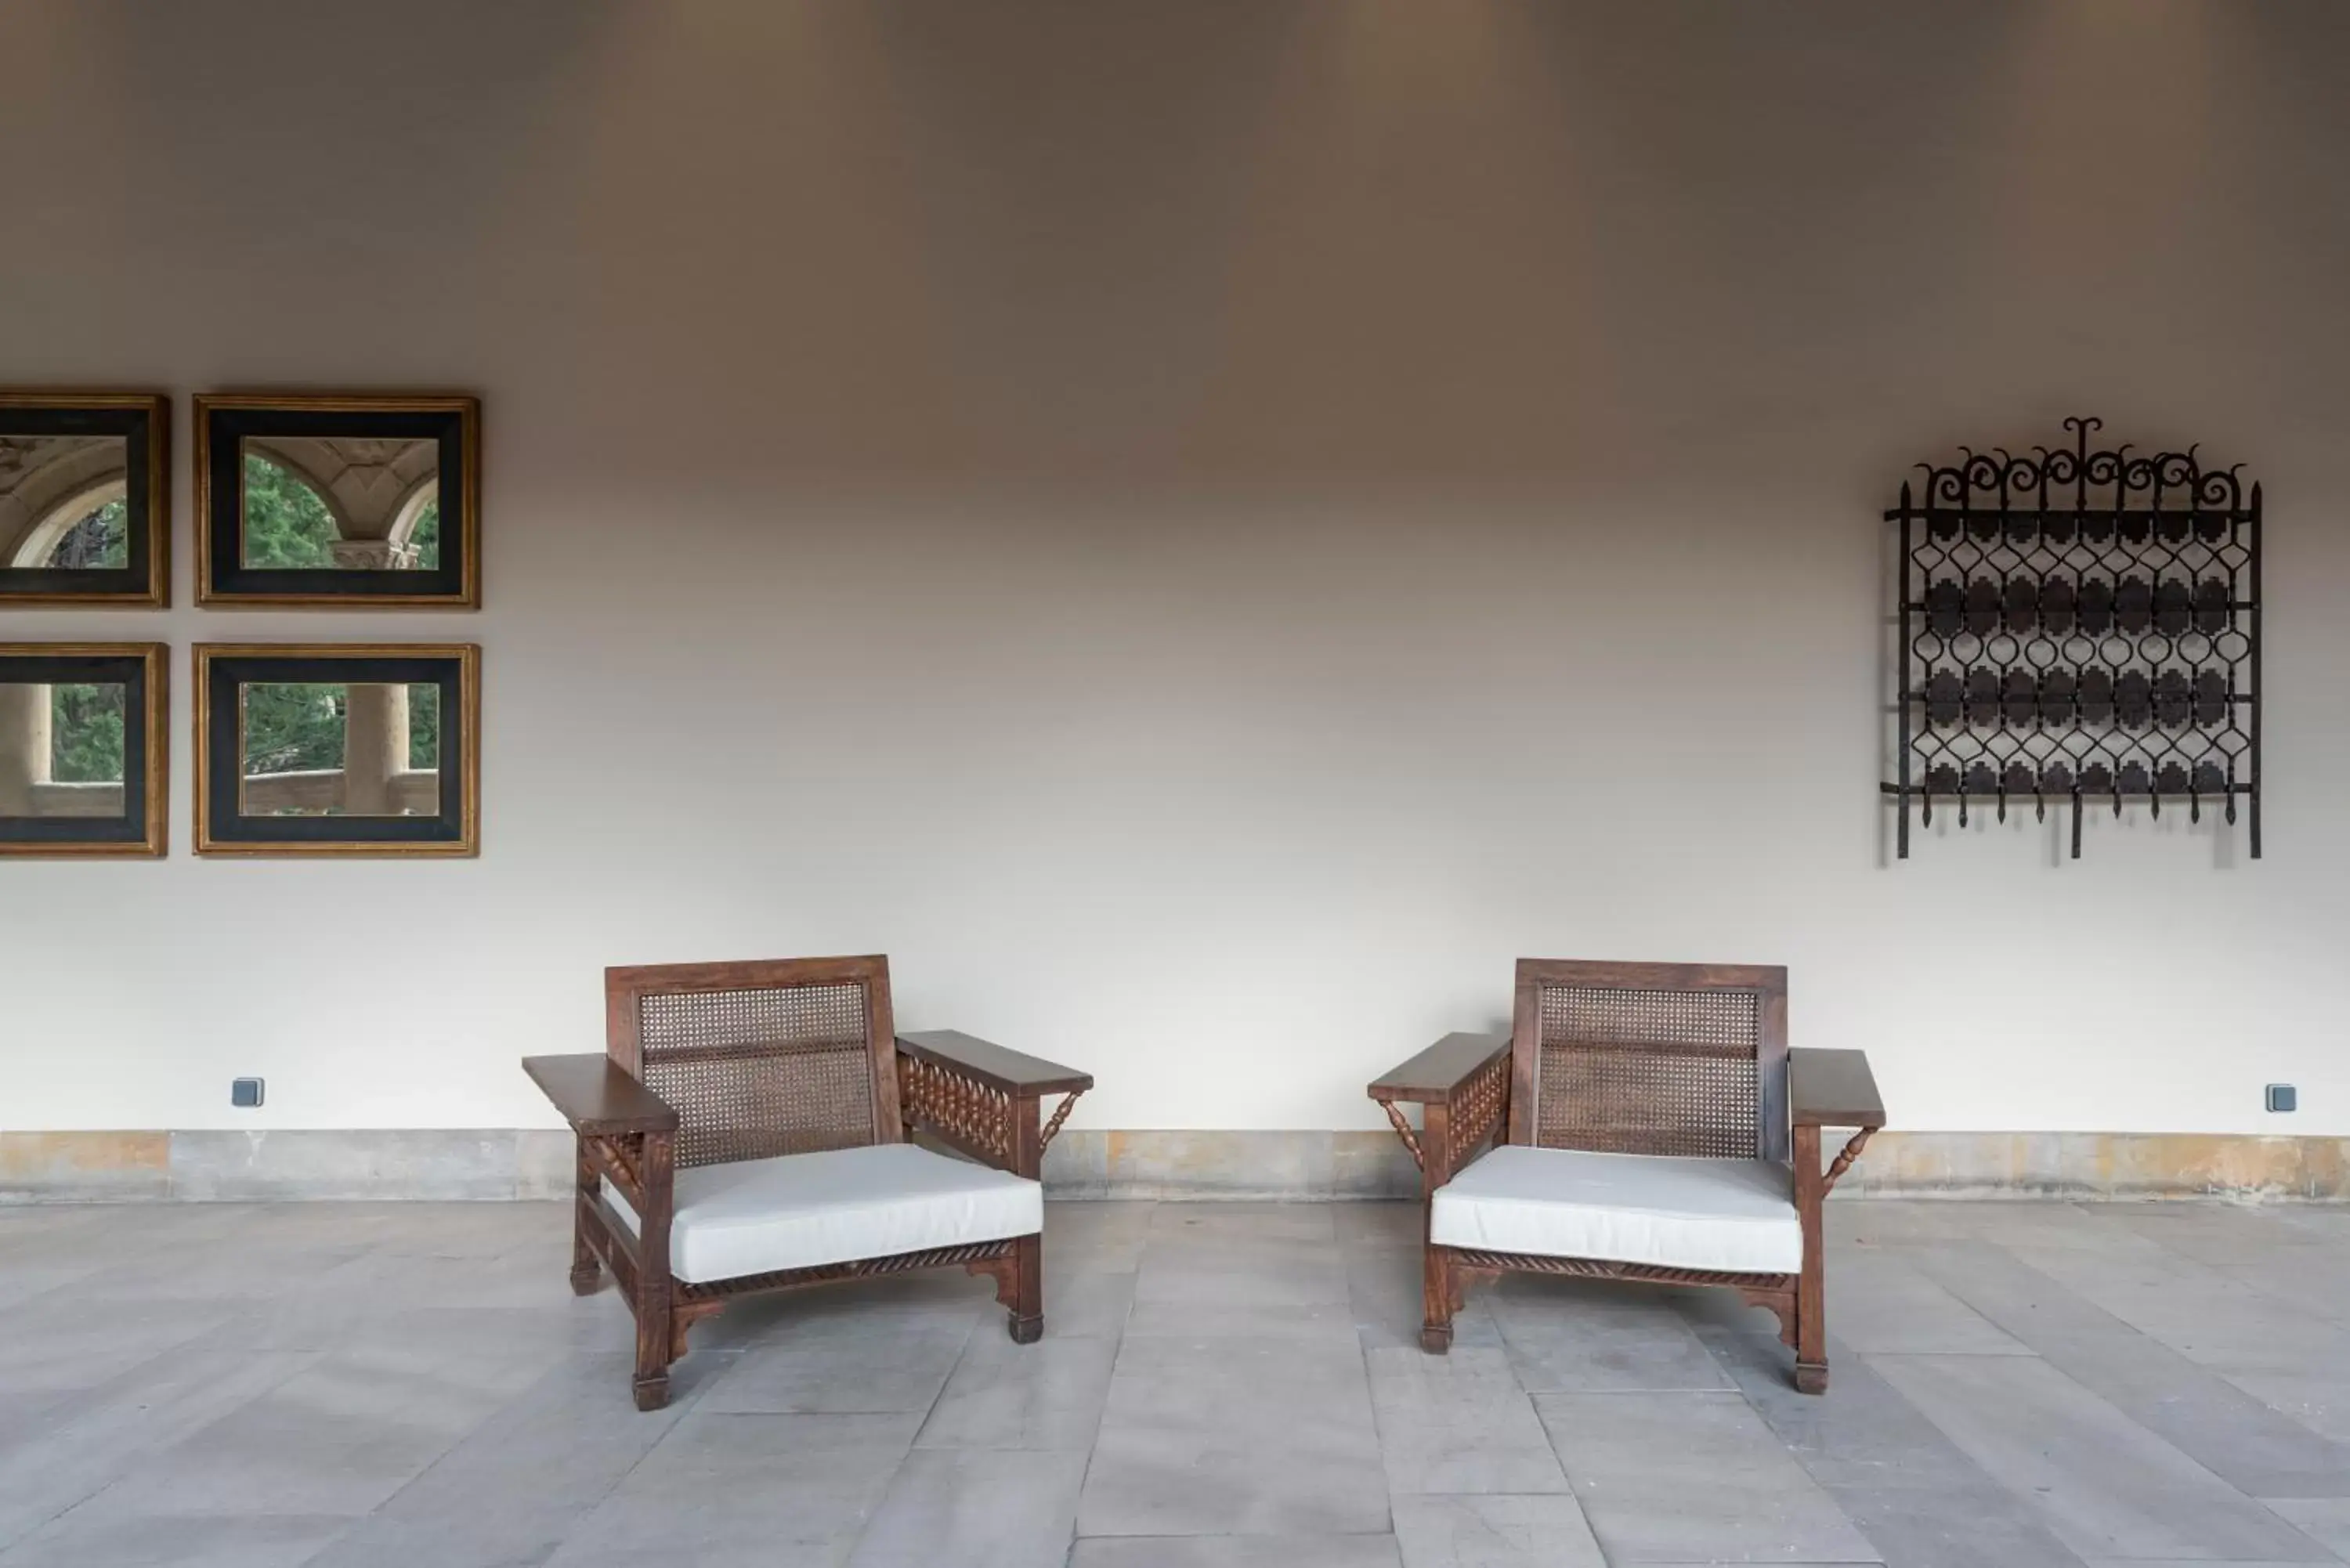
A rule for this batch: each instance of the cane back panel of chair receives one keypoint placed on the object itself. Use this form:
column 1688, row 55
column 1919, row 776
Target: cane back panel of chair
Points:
column 1662, row 1069
column 758, row 1070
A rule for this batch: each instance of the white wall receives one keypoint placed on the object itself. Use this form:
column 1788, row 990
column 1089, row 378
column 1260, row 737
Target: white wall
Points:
column 1205, row 530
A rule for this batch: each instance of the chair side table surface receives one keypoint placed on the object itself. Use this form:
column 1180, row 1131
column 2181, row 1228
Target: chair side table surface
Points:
column 597, row 1096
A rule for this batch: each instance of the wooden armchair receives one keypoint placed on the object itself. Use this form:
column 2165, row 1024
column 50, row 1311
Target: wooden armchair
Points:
column 749, row 1127
column 1643, row 1119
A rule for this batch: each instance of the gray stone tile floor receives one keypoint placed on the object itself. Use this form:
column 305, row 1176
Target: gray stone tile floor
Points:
column 2014, row 1386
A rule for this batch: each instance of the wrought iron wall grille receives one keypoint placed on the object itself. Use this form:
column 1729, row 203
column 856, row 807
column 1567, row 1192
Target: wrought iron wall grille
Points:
column 2079, row 627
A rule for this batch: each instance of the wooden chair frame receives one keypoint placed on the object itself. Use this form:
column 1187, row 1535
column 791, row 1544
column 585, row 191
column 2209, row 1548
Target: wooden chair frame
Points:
column 1476, row 1089
column 977, row 1097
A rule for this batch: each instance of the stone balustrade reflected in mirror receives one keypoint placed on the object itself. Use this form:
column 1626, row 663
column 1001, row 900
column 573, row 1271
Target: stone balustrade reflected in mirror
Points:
column 338, row 748
column 81, row 748
column 61, row 748
column 354, row 749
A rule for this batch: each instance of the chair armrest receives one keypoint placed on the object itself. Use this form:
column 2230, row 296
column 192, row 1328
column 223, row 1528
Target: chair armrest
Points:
column 1464, row 1081
column 1436, row 1073
column 1834, row 1089
column 1013, row 1073
column 596, row 1098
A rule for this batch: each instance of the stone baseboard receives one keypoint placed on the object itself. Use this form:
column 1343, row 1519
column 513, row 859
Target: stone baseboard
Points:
column 1314, row 1167
column 267, row 1167
column 2087, row 1166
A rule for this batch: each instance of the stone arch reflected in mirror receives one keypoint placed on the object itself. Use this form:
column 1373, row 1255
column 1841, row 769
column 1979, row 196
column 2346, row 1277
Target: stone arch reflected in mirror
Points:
column 82, row 499
column 416, row 530
column 87, row 532
column 325, row 500
column 341, row 505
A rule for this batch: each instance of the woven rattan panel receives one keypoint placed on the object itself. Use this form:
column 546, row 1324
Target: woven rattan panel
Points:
column 760, row 1073
column 1650, row 1071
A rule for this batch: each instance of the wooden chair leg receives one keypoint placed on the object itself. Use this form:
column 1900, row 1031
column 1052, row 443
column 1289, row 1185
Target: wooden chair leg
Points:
column 1811, row 1285
column 656, row 1291
column 1438, row 1289
column 1437, row 1295
column 655, row 1340
column 1811, row 1331
column 587, row 1274
column 1027, row 1282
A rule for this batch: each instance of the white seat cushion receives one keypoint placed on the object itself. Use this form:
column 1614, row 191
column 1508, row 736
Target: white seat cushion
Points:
column 1734, row 1216
column 800, row 1210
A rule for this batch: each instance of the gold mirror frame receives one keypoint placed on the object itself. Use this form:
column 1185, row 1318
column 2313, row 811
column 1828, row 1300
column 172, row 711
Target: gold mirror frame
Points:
column 225, row 421
column 222, row 829
column 152, row 727
column 149, row 450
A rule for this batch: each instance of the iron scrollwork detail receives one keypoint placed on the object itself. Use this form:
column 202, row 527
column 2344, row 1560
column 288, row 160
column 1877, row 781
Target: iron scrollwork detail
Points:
column 2078, row 626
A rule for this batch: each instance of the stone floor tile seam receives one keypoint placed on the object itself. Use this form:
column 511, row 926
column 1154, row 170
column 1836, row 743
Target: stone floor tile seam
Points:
column 298, row 1366
column 451, row 1453
column 1874, row 1358
column 1371, row 1404
column 2105, row 1404
column 2264, row 1461
column 2340, row 1553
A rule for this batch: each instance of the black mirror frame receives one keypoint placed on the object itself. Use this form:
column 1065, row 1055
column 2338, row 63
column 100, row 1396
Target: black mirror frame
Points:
column 222, row 668
column 144, row 421
column 143, row 828
column 222, row 421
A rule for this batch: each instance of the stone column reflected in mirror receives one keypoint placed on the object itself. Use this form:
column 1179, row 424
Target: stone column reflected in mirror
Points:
column 25, row 747
column 375, row 749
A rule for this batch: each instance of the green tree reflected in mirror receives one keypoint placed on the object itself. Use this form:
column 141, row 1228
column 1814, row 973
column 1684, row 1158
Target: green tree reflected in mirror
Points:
column 99, row 542
column 285, row 523
column 426, row 539
column 86, row 730
column 298, row 750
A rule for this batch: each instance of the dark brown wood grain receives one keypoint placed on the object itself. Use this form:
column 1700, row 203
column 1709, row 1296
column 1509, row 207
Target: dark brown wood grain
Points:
column 1611, row 974
column 1834, row 1089
column 1795, row 1093
column 1439, row 1289
column 1436, row 1072
column 656, row 1297
column 1525, row 1051
column 596, row 1098
column 1771, row 1064
column 1026, row 1310
column 586, row 1269
column 981, row 1097
column 1811, row 1286
column 1011, row 1071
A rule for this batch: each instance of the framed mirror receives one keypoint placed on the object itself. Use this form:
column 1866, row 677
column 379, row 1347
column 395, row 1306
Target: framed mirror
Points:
column 338, row 748
column 84, row 518
column 335, row 501
column 83, row 757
